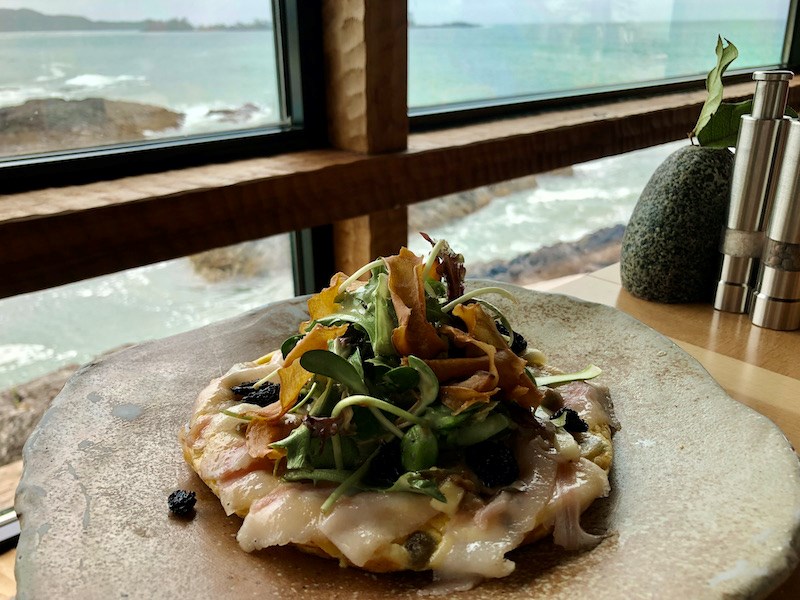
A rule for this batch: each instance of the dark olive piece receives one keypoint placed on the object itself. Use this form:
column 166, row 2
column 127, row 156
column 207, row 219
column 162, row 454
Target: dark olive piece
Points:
column 493, row 463
column 181, row 503
column 386, row 467
column 573, row 423
column 518, row 343
column 265, row 394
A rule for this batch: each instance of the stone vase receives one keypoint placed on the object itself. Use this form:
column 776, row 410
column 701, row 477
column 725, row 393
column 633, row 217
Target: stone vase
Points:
column 670, row 248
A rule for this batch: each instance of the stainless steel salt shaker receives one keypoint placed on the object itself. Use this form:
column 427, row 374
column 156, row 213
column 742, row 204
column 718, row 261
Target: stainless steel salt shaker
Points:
column 776, row 301
column 758, row 150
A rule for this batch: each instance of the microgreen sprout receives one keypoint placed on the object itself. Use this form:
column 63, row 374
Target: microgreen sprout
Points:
column 350, row 482
column 272, row 378
column 355, row 276
column 264, row 359
column 589, row 372
column 362, row 400
column 478, row 292
column 230, row 413
column 437, row 248
column 305, row 398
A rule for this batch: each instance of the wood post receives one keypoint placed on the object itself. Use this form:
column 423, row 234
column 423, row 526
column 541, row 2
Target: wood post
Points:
column 366, row 50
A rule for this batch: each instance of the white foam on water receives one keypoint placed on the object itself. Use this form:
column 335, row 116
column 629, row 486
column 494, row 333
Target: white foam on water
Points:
column 95, row 81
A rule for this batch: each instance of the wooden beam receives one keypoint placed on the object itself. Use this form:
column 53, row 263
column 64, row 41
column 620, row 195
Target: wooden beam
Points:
column 362, row 239
column 53, row 236
column 365, row 44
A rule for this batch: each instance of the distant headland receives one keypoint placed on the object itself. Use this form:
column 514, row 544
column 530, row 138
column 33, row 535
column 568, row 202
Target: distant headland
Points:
column 24, row 19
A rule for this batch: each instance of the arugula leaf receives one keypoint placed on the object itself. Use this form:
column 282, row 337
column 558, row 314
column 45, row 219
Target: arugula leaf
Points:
column 325, row 362
column 297, row 445
column 725, row 56
column 370, row 308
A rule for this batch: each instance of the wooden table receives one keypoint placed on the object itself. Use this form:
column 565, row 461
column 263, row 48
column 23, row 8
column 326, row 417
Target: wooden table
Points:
column 757, row 367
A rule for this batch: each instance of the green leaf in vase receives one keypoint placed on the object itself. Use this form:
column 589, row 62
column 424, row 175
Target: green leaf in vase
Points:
column 725, row 56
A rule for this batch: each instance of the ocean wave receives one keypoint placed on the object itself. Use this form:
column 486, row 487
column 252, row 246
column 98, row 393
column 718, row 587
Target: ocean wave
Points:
column 13, row 96
column 578, row 194
column 55, row 72
column 95, row 81
column 217, row 116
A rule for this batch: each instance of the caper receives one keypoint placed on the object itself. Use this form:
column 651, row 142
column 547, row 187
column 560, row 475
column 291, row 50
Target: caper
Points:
column 419, row 449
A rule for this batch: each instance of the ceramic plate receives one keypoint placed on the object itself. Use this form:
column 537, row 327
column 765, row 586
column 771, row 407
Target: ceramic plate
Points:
column 705, row 500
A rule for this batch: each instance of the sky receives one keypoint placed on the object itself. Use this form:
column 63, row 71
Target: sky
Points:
column 569, row 11
column 199, row 12
column 206, row 12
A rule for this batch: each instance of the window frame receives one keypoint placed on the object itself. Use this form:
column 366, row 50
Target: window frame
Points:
column 297, row 35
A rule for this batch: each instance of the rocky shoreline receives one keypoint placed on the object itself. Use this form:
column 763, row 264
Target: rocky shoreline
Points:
column 50, row 124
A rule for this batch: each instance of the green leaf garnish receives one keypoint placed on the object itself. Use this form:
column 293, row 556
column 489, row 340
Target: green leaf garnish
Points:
column 479, row 431
column 417, row 483
column 589, row 372
column 401, row 378
column 334, row 475
column 324, row 362
column 297, row 445
column 289, row 344
column 428, row 383
column 725, row 56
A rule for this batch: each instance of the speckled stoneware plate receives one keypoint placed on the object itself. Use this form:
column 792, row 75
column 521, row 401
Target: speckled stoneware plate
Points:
column 705, row 500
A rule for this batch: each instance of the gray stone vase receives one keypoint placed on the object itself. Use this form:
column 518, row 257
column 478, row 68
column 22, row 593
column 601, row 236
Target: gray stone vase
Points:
column 670, row 249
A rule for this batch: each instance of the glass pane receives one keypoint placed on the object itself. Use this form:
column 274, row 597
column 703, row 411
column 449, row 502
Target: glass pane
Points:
column 541, row 227
column 109, row 72
column 474, row 50
column 66, row 326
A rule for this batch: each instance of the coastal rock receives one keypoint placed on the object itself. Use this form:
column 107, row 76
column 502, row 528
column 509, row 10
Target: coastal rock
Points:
column 670, row 250
column 248, row 259
column 591, row 252
column 43, row 125
column 440, row 211
column 22, row 407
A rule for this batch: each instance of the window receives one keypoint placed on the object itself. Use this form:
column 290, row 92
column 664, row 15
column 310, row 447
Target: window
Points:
column 513, row 50
column 101, row 73
column 545, row 226
column 71, row 324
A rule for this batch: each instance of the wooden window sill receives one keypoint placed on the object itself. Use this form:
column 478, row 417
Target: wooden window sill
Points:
column 53, row 236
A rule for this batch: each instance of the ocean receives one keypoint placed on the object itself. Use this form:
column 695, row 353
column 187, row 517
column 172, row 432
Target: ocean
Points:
column 213, row 71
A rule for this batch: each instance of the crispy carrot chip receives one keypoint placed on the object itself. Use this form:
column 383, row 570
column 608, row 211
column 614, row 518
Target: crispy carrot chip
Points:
column 261, row 433
column 414, row 333
column 324, row 304
column 316, row 339
column 459, row 398
column 510, row 368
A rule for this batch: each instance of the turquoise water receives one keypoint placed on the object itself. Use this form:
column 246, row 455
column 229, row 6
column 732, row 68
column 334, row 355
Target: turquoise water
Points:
column 192, row 73
column 197, row 72
column 463, row 64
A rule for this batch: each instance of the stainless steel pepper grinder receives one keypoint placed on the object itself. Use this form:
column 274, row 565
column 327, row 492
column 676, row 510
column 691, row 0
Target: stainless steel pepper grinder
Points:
column 758, row 150
column 776, row 301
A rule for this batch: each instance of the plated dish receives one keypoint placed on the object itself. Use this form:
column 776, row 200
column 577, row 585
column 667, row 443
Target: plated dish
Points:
column 407, row 427
column 686, row 514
